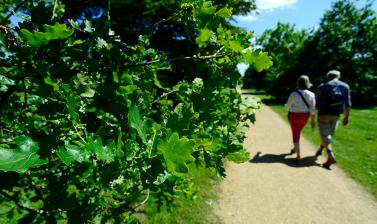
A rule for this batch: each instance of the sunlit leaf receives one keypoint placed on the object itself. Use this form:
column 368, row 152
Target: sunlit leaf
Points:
column 207, row 8
column 89, row 93
column 65, row 156
column 21, row 158
column 77, row 153
column 259, row 60
column 204, row 36
column 239, row 157
column 224, row 12
column 103, row 153
column 36, row 38
column 177, row 153
column 135, row 121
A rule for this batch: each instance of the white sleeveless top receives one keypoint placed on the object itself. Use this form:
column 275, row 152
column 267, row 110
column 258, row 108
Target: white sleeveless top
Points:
column 297, row 105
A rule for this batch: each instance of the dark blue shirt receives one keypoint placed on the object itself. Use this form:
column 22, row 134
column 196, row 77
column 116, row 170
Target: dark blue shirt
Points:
column 324, row 96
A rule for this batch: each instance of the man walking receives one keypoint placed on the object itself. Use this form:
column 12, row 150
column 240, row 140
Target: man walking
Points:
column 333, row 99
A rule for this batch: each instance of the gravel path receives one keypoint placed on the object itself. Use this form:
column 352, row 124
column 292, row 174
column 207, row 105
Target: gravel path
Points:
column 270, row 188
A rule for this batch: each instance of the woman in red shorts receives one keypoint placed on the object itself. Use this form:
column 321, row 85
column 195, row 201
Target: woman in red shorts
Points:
column 301, row 106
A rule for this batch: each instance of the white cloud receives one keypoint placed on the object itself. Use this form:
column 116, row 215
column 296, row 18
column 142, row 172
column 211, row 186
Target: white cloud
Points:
column 274, row 4
column 266, row 5
column 248, row 18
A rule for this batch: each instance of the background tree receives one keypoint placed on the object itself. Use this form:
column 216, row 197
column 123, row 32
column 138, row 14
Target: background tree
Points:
column 345, row 40
column 285, row 45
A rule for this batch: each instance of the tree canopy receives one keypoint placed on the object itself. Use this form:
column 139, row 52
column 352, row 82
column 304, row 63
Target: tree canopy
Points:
column 104, row 103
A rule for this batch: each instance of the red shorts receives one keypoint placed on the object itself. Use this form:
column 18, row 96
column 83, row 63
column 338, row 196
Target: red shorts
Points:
column 297, row 122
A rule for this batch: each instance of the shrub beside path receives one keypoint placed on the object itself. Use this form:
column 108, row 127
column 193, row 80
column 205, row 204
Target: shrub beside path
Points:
column 271, row 188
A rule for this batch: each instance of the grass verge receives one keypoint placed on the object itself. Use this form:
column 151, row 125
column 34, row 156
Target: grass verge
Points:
column 193, row 210
column 354, row 145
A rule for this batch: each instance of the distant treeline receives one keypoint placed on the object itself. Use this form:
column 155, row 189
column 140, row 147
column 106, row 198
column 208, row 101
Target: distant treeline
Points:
column 346, row 40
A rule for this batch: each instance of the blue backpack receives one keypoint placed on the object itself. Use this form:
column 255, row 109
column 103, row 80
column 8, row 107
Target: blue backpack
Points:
column 331, row 99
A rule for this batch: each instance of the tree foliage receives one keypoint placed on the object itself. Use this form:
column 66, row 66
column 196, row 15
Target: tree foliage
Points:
column 345, row 40
column 285, row 45
column 104, row 103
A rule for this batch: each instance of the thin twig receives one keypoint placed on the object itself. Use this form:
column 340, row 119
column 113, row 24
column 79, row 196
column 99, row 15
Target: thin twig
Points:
column 163, row 95
column 25, row 92
column 143, row 202
column 206, row 57
column 166, row 20
column 54, row 9
column 15, row 9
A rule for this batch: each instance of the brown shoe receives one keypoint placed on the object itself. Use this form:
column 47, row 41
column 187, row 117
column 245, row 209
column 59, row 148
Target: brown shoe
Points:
column 328, row 163
column 319, row 152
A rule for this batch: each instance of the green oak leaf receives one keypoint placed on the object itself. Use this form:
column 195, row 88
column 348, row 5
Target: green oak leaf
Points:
column 135, row 121
column 71, row 105
column 21, row 158
column 224, row 12
column 65, row 156
column 182, row 118
column 89, row 93
column 103, row 153
column 55, row 32
column 249, row 106
column 126, row 90
column 177, row 153
column 49, row 82
column 74, row 152
column 35, row 39
column 235, row 46
column 207, row 8
column 260, row 60
column 204, row 36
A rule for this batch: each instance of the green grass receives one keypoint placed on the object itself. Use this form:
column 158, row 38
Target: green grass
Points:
column 193, row 210
column 355, row 145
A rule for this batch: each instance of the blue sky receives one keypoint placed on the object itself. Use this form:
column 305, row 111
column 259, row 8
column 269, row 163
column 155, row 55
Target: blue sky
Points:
column 302, row 13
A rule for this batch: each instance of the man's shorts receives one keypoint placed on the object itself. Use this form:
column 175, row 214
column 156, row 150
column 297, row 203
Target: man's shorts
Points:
column 327, row 125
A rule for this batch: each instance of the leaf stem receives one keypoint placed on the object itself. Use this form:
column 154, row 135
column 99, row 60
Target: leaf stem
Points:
column 163, row 95
column 143, row 202
column 78, row 134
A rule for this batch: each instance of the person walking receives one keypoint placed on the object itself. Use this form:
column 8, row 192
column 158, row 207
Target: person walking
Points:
column 301, row 105
column 333, row 99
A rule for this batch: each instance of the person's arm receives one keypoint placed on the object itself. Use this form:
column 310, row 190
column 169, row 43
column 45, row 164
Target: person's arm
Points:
column 289, row 103
column 347, row 106
column 312, row 111
column 312, row 121
column 346, row 116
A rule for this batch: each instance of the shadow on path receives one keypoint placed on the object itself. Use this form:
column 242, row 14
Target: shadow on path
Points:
column 272, row 158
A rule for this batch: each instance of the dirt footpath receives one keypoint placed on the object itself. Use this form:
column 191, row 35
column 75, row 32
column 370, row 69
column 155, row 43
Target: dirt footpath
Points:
column 271, row 188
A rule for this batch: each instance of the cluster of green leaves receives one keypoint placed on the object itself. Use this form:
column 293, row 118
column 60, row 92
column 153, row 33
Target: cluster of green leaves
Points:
column 90, row 123
column 345, row 40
